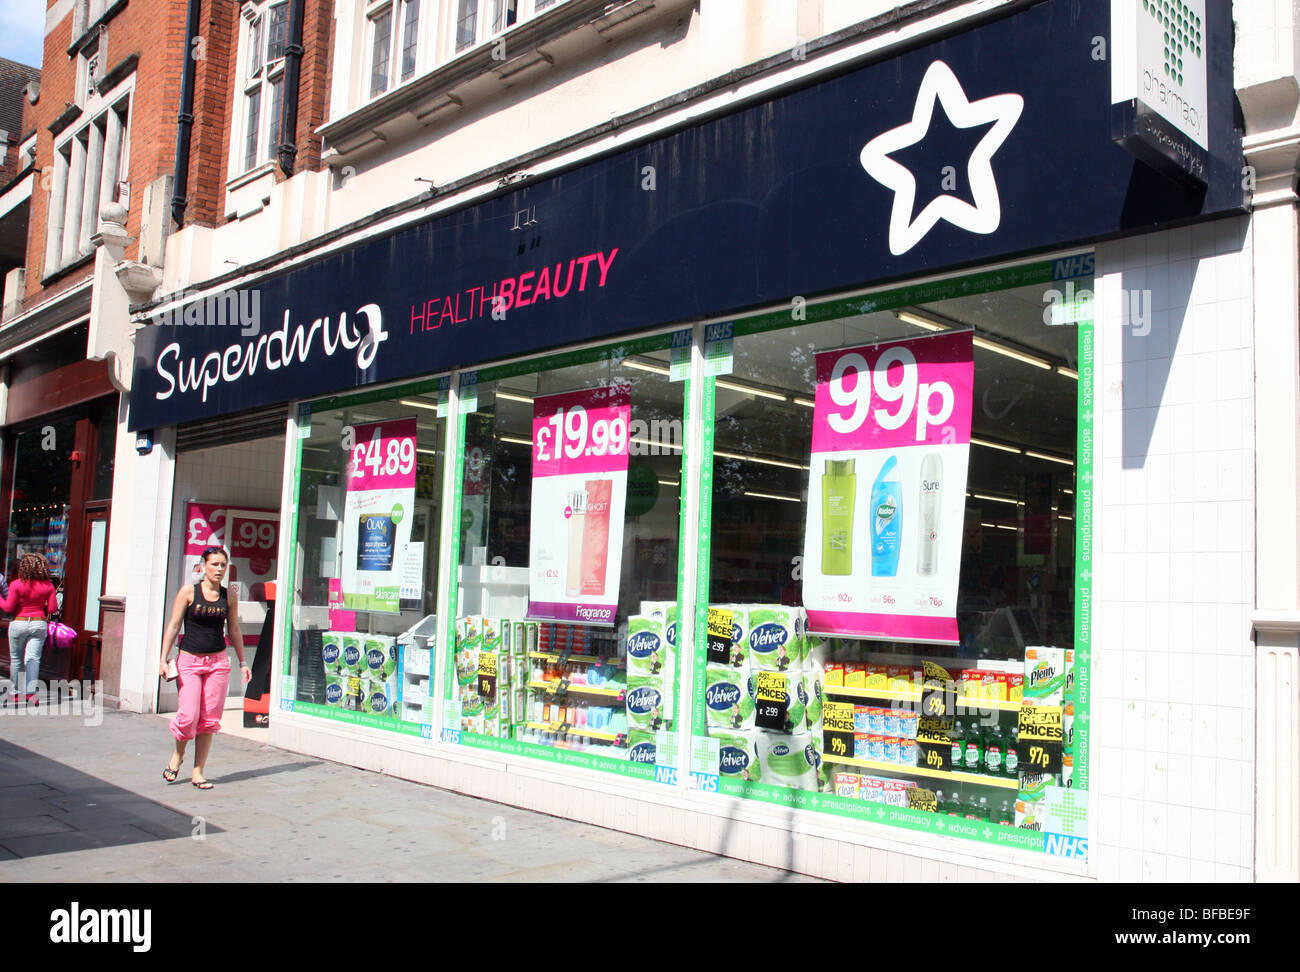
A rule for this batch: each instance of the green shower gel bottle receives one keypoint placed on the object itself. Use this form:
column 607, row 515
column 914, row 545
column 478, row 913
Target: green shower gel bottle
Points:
column 839, row 493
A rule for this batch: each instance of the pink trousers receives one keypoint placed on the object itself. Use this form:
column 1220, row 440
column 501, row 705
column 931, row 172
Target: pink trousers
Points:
column 201, row 691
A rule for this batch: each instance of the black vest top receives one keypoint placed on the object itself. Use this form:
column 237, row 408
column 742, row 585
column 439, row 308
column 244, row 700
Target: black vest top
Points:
column 205, row 622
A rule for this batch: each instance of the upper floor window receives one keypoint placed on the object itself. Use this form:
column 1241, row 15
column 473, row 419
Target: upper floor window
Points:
column 89, row 166
column 394, row 31
column 263, row 39
column 480, row 20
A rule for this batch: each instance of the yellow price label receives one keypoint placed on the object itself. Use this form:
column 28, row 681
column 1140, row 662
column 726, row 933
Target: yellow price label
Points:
column 933, row 760
column 1043, row 723
column 720, row 621
column 919, row 799
column 837, row 717
column 487, row 664
column 770, row 687
column 934, row 706
column 838, row 748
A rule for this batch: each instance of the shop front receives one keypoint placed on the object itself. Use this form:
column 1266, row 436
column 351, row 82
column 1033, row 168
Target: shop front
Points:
column 754, row 511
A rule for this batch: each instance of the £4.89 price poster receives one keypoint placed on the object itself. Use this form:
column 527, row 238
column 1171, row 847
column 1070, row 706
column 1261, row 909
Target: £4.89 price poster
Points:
column 887, row 488
column 377, row 510
column 580, row 453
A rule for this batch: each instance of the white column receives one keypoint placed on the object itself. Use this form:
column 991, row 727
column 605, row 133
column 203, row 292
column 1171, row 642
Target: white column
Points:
column 112, row 151
column 72, row 208
column 58, row 195
column 90, row 201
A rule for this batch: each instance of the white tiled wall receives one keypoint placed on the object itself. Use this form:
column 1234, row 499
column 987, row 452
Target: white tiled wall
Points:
column 1174, row 710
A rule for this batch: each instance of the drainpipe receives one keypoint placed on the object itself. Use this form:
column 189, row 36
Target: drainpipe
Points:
column 185, row 118
column 292, row 68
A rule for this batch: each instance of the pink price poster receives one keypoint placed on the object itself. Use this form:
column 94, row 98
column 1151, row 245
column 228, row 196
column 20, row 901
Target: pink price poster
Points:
column 580, row 457
column 887, row 488
column 378, row 504
column 251, row 537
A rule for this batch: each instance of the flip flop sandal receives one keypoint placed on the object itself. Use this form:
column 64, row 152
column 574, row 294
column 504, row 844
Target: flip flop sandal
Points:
column 170, row 774
column 201, row 784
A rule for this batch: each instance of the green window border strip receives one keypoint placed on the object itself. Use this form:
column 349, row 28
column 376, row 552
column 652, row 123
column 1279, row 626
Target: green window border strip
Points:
column 568, row 359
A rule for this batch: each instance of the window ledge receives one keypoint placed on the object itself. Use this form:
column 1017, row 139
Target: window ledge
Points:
column 429, row 92
column 67, row 268
column 60, row 124
column 252, row 175
column 90, row 31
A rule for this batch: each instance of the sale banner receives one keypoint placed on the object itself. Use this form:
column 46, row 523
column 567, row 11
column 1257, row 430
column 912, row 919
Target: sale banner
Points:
column 887, row 488
column 377, row 508
column 251, row 537
column 580, row 453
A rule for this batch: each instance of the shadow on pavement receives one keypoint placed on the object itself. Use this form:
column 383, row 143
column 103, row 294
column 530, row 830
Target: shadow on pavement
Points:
column 47, row 807
column 264, row 771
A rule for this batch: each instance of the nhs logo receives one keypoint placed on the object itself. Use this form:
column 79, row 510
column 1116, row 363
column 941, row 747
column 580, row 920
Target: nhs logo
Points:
column 1065, row 846
column 1068, row 268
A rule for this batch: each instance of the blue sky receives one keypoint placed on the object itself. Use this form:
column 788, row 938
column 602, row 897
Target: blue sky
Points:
column 22, row 30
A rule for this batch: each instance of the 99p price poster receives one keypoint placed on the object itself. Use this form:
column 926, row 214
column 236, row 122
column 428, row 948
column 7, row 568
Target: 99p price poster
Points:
column 580, row 451
column 377, row 511
column 887, row 489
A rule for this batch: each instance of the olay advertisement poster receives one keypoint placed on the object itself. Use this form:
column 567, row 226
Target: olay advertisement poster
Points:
column 580, row 452
column 887, row 488
column 377, row 510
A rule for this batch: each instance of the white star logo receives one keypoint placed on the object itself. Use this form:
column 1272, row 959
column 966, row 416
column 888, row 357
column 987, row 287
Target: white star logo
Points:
column 940, row 84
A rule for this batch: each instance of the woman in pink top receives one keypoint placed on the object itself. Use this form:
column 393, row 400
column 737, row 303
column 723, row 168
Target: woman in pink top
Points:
column 32, row 600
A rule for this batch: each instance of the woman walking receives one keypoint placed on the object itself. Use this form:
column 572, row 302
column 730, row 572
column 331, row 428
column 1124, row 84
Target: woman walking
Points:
column 31, row 599
column 202, row 666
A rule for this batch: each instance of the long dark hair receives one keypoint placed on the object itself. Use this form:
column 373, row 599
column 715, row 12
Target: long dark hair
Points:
column 33, row 567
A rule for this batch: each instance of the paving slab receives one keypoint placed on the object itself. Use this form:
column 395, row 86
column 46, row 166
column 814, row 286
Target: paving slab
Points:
column 86, row 802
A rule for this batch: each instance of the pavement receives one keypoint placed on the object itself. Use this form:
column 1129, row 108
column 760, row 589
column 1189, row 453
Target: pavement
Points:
column 87, row 803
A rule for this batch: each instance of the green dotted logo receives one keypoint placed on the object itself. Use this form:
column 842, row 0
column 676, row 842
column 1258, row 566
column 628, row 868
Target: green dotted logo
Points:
column 1182, row 30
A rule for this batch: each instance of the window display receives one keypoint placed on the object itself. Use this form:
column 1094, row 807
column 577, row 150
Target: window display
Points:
column 892, row 589
column 366, row 567
column 567, row 594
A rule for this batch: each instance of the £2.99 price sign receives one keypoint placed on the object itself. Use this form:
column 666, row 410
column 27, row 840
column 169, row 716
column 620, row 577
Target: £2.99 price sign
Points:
column 579, row 495
column 890, row 447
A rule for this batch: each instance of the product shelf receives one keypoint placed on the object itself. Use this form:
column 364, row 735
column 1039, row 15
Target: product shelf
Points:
column 574, row 731
column 550, row 686
column 551, row 656
column 895, row 695
column 954, row 775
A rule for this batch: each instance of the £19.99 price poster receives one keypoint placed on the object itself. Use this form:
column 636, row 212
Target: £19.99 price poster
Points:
column 887, row 488
column 580, row 453
column 377, row 511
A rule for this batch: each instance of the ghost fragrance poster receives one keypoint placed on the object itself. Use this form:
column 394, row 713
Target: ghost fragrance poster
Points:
column 377, row 510
column 580, row 453
column 887, row 488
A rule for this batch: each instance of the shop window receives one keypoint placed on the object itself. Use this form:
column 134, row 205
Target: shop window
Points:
column 366, row 564
column 848, row 577
column 87, row 166
column 568, row 552
column 264, row 35
column 42, row 491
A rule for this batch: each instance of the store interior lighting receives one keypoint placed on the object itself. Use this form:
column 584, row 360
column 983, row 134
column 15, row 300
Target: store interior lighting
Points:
column 758, row 459
column 994, row 445
column 516, row 440
column 417, row 404
column 750, row 390
column 773, row 496
column 654, row 369
column 513, row 397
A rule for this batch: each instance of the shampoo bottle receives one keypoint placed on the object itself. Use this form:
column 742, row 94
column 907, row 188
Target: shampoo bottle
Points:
column 839, row 493
column 886, row 521
column 927, row 555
